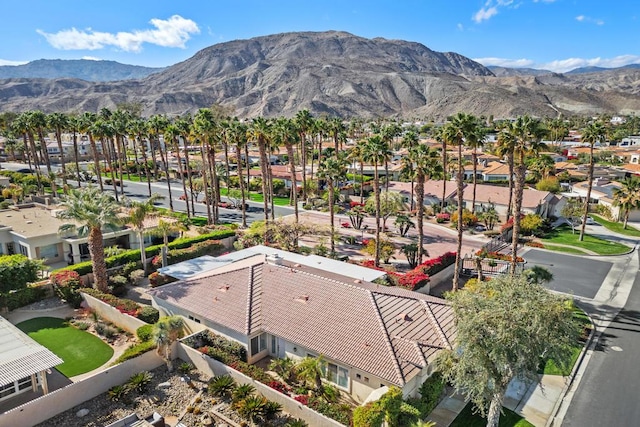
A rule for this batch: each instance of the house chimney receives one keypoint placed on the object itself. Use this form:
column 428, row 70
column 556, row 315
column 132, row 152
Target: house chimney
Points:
column 274, row 259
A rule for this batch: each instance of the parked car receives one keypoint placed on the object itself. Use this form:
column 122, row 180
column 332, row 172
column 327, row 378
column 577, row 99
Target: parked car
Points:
column 590, row 221
column 480, row 228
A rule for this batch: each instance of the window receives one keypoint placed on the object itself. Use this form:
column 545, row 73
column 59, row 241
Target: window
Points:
column 258, row 344
column 50, row 251
column 24, row 250
column 337, row 375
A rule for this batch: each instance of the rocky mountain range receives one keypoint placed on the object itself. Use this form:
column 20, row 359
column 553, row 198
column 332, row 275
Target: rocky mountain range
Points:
column 337, row 74
column 84, row 69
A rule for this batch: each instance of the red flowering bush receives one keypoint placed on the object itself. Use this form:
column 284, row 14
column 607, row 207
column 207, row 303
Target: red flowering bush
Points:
column 278, row 386
column 303, row 398
column 345, row 224
column 353, row 204
column 412, row 280
column 442, row 217
column 436, row 265
column 65, row 279
column 371, row 264
column 497, row 255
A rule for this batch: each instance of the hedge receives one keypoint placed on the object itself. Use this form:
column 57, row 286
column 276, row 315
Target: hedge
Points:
column 135, row 350
column 133, row 255
column 22, row 297
column 16, row 271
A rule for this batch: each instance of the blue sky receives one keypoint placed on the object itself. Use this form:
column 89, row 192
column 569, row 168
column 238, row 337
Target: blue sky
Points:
column 553, row 34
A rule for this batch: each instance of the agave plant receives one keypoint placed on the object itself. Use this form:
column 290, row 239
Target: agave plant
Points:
column 241, row 392
column 118, row 392
column 140, row 381
column 297, row 422
column 221, row 385
column 252, row 408
column 272, row 409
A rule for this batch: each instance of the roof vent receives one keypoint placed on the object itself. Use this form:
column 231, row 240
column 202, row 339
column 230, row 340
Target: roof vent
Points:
column 358, row 281
column 303, row 298
column 403, row 317
column 274, row 259
column 215, row 299
column 224, row 288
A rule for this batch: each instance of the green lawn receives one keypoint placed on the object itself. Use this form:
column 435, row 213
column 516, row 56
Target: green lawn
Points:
column 616, row 226
column 467, row 418
column 563, row 235
column 550, row 367
column 574, row 251
column 256, row 197
column 81, row 351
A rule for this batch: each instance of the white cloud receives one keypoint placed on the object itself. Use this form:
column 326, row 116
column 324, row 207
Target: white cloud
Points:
column 7, row 62
column 562, row 65
column 582, row 18
column 172, row 32
column 503, row 62
column 91, row 58
column 485, row 14
column 492, row 7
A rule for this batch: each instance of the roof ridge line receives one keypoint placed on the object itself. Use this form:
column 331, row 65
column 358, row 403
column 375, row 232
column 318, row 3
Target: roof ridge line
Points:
column 252, row 279
column 396, row 364
column 434, row 320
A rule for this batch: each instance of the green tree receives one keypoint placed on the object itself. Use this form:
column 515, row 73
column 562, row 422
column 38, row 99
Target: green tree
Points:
column 260, row 130
column 164, row 229
column 592, row 134
column 17, row 270
column 310, row 370
column 332, row 170
column 504, row 327
column 505, row 147
column 92, row 211
column 571, row 211
column 138, row 213
column 550, row 184
column 404, row 224
column 627, row 197
column 165, row 332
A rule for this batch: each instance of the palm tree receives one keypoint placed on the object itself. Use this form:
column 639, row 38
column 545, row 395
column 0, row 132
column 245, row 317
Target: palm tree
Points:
column 204, row 126
column 336, row 129
column 85, row 125
column 557, row 129
column 505, row 148
column 475, row 140
column 239, row 137
column 285, row 133
column 104, row 132
column 165, row 333
column 310, row 370
column 59, row 122
column 376, row 152
column 184, row 128
column 260, row 130
column 92, row 211
column 410, row 140
column 528, row 134
column 304, row 122
column 171, row 135
column 74, row 126
column 37, row 122
column 356, row 154
column 21, row 126
column 164, row 229
column 462, row 126
column 138, row 213
column 332, row 169
column 627, row 197
column 594, row 132
column 425, row 163
column 157, row 126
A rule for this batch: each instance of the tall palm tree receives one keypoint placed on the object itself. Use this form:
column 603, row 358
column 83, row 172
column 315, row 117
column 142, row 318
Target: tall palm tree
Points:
column 138, row 213
column 260, row 130
column 304, row 121
column 438, row 135
column 74, row 127
column 425, row 163
column 119, row 122
column 332, row 169
column 627, row 197
column 85, row 125
column 594, row 132
column 505, row 147
column 336, row 128
column 204, row 126
column 103, row 130
column 171, row 137
column 137, row 129
column 92, row 211
column 356, row 154
column 410, row 140
column 37, row 121
column 557, row 129
column 165, row 333
column 164, row 229
column 454, row 133
column 184, row 128
column 156, row 126
column 376, row 152
column 474, row 140
column 239, row 137
column 21, row 126
column 528, row 134
column 285, row 133
column 59, row 122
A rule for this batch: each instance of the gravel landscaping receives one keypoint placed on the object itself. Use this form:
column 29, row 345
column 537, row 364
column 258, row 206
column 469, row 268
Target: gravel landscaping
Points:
column 167, row 394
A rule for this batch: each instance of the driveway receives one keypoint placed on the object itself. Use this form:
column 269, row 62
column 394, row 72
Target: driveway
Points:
column 576, row 275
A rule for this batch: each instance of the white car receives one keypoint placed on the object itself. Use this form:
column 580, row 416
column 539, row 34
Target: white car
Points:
column 590, row 221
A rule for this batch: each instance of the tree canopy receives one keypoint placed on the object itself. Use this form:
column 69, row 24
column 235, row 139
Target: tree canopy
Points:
column 504, row 328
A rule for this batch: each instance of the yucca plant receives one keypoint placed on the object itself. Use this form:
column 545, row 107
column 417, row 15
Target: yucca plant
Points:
column 296, row 423
column 118, row 392
column 140, row 381
column 221, row 385
column 272, row 409
column 241, row 392
column 252, row 408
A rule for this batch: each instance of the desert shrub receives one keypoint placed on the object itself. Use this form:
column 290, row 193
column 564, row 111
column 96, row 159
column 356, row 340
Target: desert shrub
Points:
column 129, row 267
column 118, row 392
column 83, row 326
column 140, row 381
column 136, row 276
column 185, row 368
column 221, row 385
column 468, row 218
column 148, row 314
column 135, row 350
column 551, row 184
column 144, row 333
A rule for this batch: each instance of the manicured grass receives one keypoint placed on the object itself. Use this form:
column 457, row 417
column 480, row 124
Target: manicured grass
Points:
column 550, row 367
column 574, row 251
column 563, row 235
column 256, row 197
column 508, row 418
column 616, row 227
column 81, row 351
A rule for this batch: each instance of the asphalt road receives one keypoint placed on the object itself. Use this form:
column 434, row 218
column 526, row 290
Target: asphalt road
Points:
column 608, row 392
column 575, row 275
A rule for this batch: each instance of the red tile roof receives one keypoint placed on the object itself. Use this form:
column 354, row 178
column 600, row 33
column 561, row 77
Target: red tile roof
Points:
column 389, row 332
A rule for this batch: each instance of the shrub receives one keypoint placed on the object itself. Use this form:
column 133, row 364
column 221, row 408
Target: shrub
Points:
column 21, row 297
column 136, row 276
column 109, row 331
column 144, row 333
column 430, row 392
column 443, row 217
column 129, row 267
column 185, row 367
column 221, row 385
column 303, row 398
column 241, row 392
column 217, row 345
column 83, row 326
column 156, row 279
column 278, row 386
column 148, row 314
column 16, row 271
column 123, row 305
column 135, row 350
column 140, row 381
column 468, row 218
column 118, row 392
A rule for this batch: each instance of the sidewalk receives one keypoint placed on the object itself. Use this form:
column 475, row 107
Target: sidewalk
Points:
column 535, row 403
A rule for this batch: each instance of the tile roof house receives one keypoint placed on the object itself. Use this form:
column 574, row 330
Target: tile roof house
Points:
column 371, row 336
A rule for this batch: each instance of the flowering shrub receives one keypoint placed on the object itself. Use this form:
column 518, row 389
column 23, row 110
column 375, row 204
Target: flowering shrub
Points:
column 412, row 280
column 353, row 204
column 436, row 265
column 345, row 225
column 534, row 244
column 123, row 305
column 156, row 279
column 278, row 386
column 497, row 255
column 303, row 398
column 65, row 278
column 442, row 217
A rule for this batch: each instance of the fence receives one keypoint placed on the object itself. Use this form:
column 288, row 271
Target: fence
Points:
column 113, row 315
column 50, row 405
column 489, row 266
column 207, row 365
